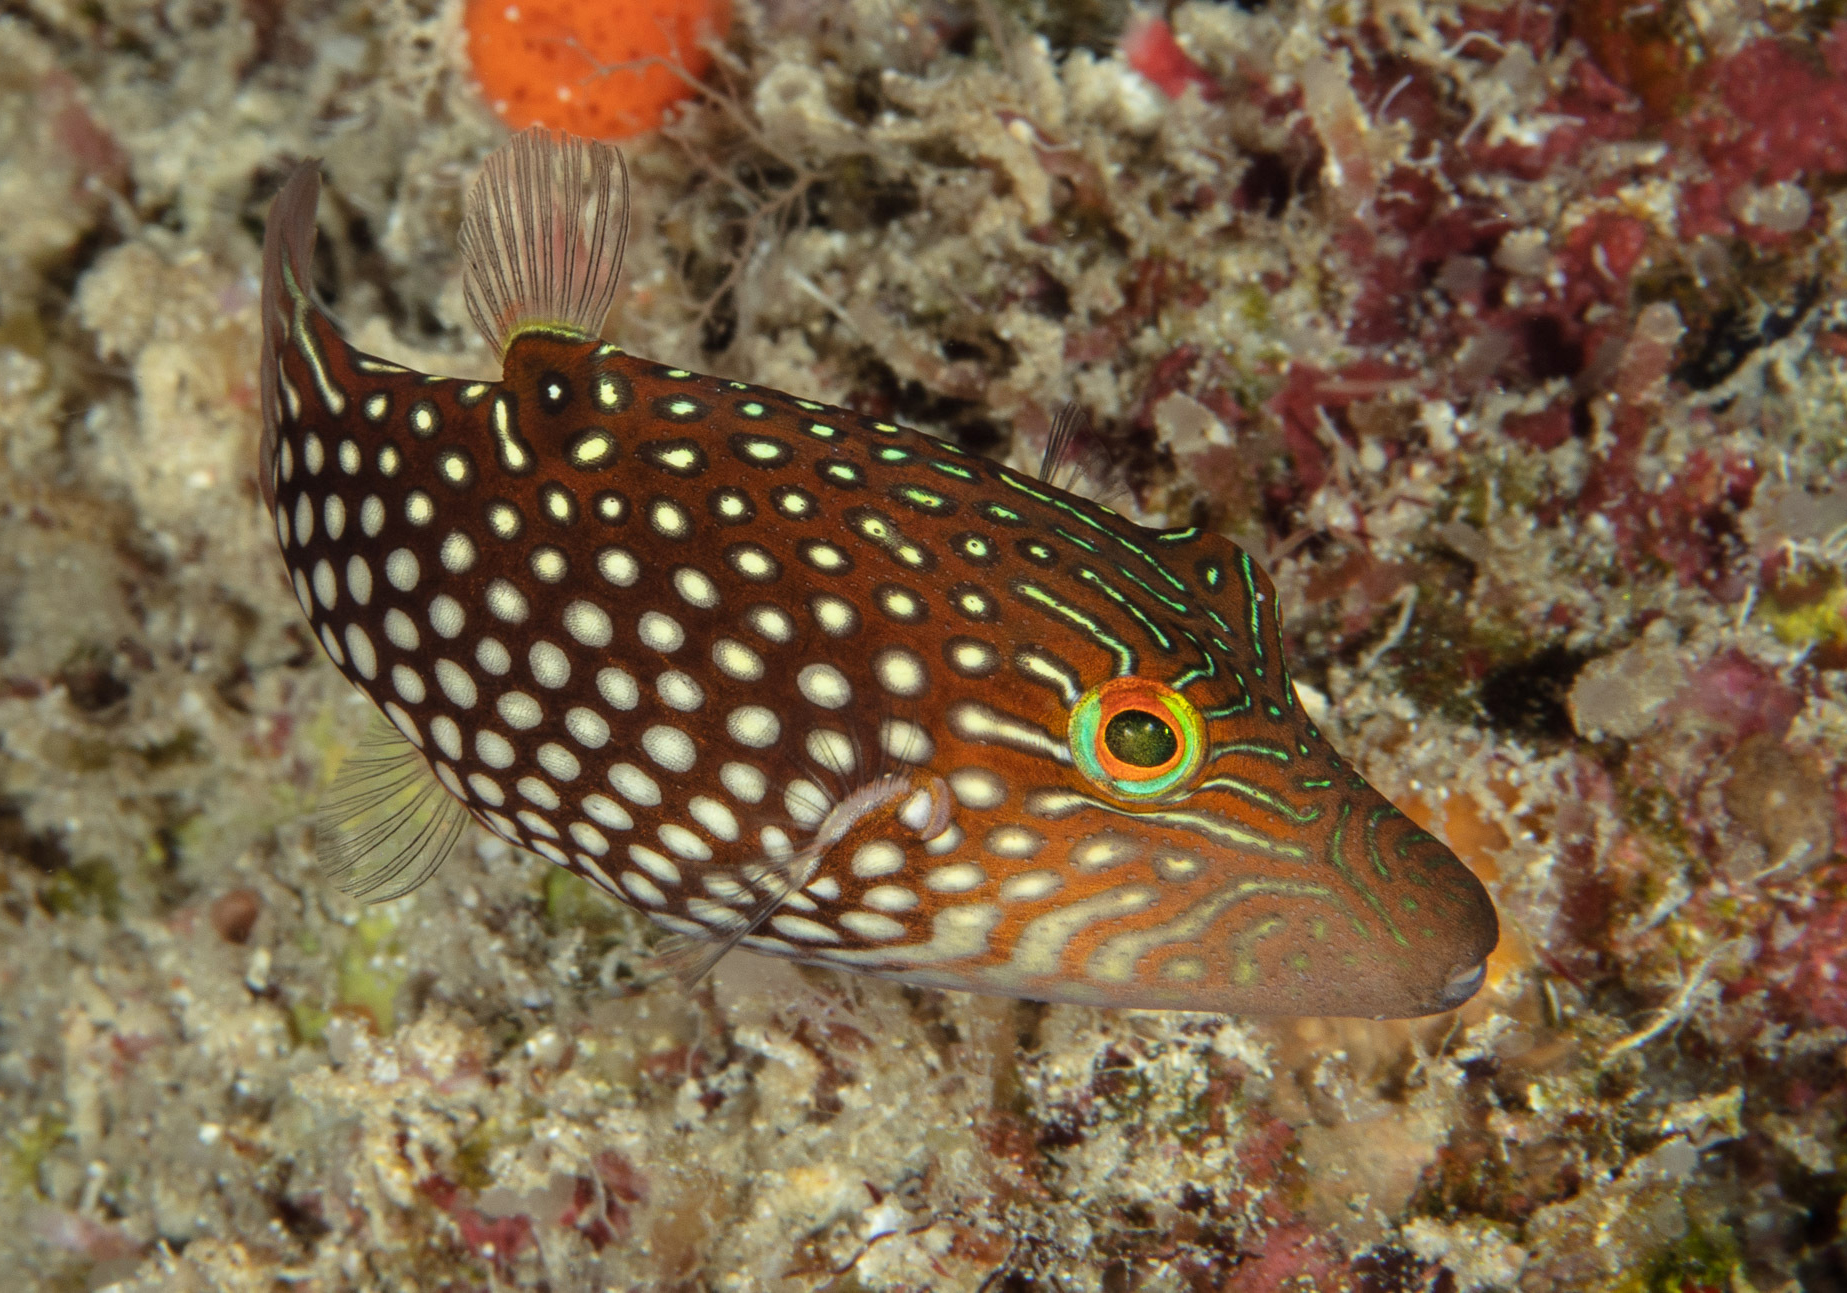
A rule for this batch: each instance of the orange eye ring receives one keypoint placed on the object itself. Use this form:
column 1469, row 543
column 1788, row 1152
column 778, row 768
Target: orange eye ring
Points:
column 1137, row 738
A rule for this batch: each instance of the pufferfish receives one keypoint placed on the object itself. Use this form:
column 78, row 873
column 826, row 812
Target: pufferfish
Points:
column 782, row 675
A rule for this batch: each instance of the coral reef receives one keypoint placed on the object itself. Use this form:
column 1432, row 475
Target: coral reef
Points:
column 1513, row 336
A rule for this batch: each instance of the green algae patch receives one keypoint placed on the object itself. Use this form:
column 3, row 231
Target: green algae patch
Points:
column 1703, row 1259
column 572, row 902
column 372, row 968
column 308, row 1023
column 26, row 1149
column 473, row 1156
column 1811, row 611
column 87, row 888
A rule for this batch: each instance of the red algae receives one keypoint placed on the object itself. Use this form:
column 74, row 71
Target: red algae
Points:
column 1149, row 46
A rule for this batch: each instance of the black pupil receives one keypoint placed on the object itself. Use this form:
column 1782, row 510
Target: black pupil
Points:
column 1141, row 739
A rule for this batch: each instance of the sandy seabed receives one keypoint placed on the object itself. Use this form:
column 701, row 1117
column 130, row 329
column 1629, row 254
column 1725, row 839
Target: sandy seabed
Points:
column 1512, row 339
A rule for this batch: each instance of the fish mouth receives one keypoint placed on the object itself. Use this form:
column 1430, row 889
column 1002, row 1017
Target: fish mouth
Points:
column 1462, row 985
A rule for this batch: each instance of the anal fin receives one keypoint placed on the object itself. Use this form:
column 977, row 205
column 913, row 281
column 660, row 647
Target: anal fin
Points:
column 386, row 824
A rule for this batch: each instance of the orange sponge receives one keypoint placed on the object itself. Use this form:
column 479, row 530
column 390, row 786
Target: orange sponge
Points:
column 593, row 67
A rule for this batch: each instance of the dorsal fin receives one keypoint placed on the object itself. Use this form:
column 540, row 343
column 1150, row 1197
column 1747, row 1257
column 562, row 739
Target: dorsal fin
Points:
column 288, row 255
column 542, row 236
column 1076, row 460
column 386, row 824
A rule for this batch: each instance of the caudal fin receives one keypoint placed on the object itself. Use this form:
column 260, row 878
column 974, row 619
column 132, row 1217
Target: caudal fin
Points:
column 288, row 252
column 542, row 236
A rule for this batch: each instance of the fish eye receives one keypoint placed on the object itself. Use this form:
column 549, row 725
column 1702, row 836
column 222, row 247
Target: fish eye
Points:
column 1141, row 739
column 1137, row 738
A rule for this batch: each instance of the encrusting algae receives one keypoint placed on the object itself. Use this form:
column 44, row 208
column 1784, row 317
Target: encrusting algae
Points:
column 780, row 674
column 1507, row 338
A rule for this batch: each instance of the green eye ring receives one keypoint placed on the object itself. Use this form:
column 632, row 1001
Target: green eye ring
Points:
column 1137, row 739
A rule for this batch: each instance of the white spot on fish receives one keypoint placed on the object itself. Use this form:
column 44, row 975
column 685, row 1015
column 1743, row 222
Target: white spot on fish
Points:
column 735, row 660
column 1030, row 886
column 618, row 688
column 492, row 655
column 977, row 788
column 876, row 858
column 654, row 864
column 326, row 588
column 446, row 615
column 558, row 761
column 534, row 791
column 448, row 735
column 457, row 553
column 550, row 666
column 359, row 579
column 683, row 842
column 408, row 683
column 359, row 647
column 519, row 710
column 805, row 802
column 402, row 569
column 643, row 889
column 494, row 749
column 771, row 622
column 601, row 808
column 456, row 684
column 695, row 588
column 824, row 685
column 746, row 783
column 635, row 785
column 957, row 877
column 889, row 897
column 588, row 624
column 678, row 691
column 661, row 632
column 668, row 746
column 506, row 602
column 754, row 726
column 835, row 615
column 906, row 741
column 618, row 566
column 587, row 727
column 589, row 838
column 871, row 925
column 901, row 672
column 714, row 816
column 401, row 631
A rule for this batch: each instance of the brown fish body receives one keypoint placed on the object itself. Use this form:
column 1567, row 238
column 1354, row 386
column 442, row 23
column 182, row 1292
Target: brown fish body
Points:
column 774, row 671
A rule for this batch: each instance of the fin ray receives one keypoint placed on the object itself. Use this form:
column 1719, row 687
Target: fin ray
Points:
column 386, row 824
column 1076, row 461
column 543, row 233
column 690, row 957
column 871, row 780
